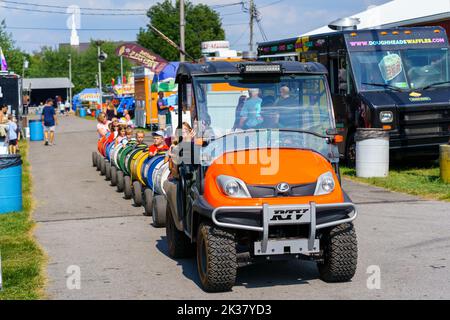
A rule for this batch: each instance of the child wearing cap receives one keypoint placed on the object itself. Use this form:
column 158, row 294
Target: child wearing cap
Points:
column 159, row 145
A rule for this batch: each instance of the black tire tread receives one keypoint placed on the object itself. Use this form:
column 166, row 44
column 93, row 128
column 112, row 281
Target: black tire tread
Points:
column 340, row 254
column 222, row 259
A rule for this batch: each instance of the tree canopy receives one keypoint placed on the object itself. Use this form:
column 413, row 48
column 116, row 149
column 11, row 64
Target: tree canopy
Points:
column 14, row 56
column 202, row 24
column 54, row 63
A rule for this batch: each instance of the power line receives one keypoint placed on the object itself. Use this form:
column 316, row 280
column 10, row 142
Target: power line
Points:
column 65, row 7
column 240, row 37
column 66, row 13
column 218, row 6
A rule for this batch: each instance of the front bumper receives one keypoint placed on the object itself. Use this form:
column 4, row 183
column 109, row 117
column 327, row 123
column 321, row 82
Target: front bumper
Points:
column 260, row 219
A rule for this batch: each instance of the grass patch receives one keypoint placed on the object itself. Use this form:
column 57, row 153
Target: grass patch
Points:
column 423, row 181
column 22, row 259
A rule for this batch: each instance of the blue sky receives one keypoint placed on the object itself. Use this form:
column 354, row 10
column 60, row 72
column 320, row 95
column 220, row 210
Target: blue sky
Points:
column 279, row 19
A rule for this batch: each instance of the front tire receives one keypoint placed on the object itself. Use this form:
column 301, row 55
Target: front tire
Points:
column 127, row 187
column 159, row 211
column 340, row 254
column 137, row 194
column 179, row 244
column 120, row 183
column 216, row 258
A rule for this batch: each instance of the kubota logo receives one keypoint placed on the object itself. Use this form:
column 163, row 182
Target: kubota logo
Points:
column 288, row 215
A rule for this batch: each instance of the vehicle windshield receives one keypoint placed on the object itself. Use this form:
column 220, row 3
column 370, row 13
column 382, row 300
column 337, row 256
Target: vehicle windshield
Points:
column 401, row 69
column 291, row 108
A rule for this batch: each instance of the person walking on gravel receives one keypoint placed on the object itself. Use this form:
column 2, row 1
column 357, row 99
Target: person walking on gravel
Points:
column 49, row 121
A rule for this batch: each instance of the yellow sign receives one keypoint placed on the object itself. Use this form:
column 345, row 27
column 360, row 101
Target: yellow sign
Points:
column 302, row 44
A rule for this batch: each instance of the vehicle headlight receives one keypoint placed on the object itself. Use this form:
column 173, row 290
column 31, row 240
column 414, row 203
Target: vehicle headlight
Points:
column 233, row 187
column 325, row 184
column 386, row 117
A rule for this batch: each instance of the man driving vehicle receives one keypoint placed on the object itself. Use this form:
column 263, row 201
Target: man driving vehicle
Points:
column 288, row 109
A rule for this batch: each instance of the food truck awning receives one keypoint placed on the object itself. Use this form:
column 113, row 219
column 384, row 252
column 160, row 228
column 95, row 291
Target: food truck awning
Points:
column 398, row 13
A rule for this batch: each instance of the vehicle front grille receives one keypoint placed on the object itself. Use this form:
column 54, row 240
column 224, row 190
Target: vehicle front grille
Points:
column 270, row 191
column 425, row 122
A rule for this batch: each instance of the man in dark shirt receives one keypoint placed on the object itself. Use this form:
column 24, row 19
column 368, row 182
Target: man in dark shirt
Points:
column 289, row 109
column 49, row 122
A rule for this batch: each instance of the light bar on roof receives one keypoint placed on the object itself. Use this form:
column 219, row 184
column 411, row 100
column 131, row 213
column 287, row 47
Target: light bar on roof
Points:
column 262, row 68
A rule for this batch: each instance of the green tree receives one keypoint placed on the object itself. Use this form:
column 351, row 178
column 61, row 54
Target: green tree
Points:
column 54, row 63
column 14, row 56
column 202, row 24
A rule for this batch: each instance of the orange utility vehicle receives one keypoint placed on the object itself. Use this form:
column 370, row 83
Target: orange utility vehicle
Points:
column 261, row 180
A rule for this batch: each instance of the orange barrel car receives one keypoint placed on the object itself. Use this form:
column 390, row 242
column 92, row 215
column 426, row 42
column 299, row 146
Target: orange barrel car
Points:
column 261, row 179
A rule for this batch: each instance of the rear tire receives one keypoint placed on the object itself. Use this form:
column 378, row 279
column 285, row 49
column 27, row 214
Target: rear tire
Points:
column 148, row 202
column 340, row 254
column 94, row 159
column 108, row 172
column 159, row 211
column 113, row 176
column 216, row 258
column 137, row 194
column 180, row 246
column 120, row 183
column 127, row 187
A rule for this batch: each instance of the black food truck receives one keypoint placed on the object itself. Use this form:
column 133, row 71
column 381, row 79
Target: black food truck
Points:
column 397, row 79
column 10, row 93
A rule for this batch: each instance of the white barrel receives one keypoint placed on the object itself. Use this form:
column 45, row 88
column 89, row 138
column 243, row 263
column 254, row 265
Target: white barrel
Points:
column 372, row 153
column 157, row 172
column 115, row 154
column 160, row 177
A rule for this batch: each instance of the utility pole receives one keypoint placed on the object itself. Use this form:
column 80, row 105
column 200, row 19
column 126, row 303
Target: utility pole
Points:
column 182, row 31
column 99, row 43
column 70, row 78
column 252, row 20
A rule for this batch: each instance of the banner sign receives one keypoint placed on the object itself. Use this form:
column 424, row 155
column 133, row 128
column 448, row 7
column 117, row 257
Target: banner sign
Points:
column 142, row 56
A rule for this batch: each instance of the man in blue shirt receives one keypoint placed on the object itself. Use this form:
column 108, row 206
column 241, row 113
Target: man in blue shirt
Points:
column 49, row 121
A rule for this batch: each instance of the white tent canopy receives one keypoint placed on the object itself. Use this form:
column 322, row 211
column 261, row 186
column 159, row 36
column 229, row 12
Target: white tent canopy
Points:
column 398, row 12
